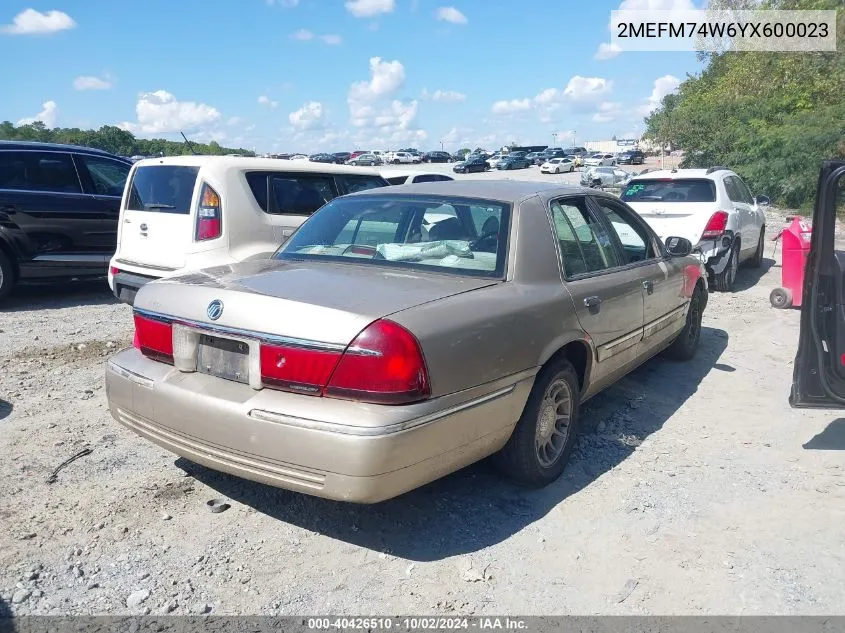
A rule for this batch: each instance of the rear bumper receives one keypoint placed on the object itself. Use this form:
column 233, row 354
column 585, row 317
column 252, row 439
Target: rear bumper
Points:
column 126, row 285
column 329, row 448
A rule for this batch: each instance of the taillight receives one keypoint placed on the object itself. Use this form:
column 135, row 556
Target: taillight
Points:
column 154, row 338
column 209, row 225
column 384, row 364
column 114, row 270
column 296, row 369
column 715, row 226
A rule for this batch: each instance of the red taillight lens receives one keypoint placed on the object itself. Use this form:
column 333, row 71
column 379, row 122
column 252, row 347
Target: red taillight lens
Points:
column 209, row 224
column 154, row 338
column 114, row 270
column 296, row 369
column 384, row 364
column 715, row 226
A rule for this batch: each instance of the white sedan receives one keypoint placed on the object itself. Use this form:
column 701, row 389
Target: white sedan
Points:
column 558, row 165
column 600, row 159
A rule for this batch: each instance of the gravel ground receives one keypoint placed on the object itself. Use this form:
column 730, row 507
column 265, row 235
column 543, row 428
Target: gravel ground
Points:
column 695, row 489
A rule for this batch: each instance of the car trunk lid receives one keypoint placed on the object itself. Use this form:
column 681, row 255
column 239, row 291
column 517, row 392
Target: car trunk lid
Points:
column 673, row 219
column 309, row 301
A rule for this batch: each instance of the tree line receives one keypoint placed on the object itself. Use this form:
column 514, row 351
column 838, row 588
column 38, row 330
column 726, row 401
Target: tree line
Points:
column 771, row 117
column 111, row 139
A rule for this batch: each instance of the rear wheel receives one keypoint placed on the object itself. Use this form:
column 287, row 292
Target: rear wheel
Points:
column 757, row 260
column 7, row 276
column 396, row 161
column 539, row 448
column 724, row 281
column 685, row 346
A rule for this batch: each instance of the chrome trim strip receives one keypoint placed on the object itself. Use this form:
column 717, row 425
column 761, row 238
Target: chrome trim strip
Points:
column 94, row 259
column 60, row 193
column 138, row 379
column 619, row 345
column 249, row 334
column 129, row 262
column 665, row 321
column 345, row 429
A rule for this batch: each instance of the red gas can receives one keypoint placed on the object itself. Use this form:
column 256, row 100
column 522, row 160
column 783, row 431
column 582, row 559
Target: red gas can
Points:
column 796, row 248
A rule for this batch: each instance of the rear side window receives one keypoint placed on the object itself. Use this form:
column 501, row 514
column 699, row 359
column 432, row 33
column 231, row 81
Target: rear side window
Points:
column 397, row 180
column 585, row 245
column 108, row 177
column 290, row 193
column 163, row 188
column 13, row 171
column 674, row 190
column 351, row 184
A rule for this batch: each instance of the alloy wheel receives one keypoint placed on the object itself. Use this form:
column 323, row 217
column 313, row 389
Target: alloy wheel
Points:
column 553, row 421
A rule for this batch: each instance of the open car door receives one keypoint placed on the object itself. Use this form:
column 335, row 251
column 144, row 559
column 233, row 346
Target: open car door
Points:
column 818, row 378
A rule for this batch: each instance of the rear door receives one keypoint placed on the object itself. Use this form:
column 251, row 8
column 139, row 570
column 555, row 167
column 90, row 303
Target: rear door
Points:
column 157, row 228
column 103, row 179
column 819, row 370
column 744, row 212
column 607, row 295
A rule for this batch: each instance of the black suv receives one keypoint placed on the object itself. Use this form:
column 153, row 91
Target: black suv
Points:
column 631, row 157
column 436, row 157
column 59, row 206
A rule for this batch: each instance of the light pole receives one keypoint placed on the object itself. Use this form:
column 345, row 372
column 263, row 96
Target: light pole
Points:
column 441, row 146
column 554, row 139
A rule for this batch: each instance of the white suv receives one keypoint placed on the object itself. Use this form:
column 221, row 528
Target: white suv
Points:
column 190, row 212
column 406, row 158
column 712, row 208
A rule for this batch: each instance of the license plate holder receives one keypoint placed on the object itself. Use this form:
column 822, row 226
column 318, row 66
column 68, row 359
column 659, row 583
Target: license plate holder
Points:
column 224, row 358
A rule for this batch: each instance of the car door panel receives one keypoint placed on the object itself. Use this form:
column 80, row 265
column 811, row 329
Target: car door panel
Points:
column 818, row 379
column 608, row 298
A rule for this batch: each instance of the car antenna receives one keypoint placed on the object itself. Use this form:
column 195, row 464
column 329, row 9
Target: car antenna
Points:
column 190, row 145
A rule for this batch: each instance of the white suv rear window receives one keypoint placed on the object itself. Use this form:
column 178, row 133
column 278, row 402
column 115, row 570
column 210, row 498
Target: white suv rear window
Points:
column 163, row 188
column 670, row 190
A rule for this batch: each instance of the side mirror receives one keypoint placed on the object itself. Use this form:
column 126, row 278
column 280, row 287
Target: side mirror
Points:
column 678, row 246
column 762, row 201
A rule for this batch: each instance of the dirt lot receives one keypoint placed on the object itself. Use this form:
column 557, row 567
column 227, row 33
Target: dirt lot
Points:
column 695, row 490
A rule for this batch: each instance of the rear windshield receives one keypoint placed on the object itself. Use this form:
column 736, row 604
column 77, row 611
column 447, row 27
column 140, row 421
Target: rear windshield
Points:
column 163, row 188
column 442, row 233
column 675, row 190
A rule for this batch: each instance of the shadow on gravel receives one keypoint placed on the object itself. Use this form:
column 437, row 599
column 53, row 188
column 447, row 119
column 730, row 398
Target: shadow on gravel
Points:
column 831, row 439
column 748, row 277
column 474, row 508
column 58, row 295
column 5, row 408
column 7, row 624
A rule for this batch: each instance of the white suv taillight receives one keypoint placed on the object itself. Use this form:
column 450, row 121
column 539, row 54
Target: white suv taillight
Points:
column 715, row 226
column 209, row 220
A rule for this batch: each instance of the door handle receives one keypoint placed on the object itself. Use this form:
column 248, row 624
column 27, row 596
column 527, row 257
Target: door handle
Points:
column 592, row 302
column 649, row 286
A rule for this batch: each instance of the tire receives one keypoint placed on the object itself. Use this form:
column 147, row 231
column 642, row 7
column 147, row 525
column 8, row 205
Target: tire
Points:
column 781, row 298
column 757, row 260
column 396, row 161
column 7, row 276
column 685, row 346
column 522, row 460
column 557, row 170
column 724, row 281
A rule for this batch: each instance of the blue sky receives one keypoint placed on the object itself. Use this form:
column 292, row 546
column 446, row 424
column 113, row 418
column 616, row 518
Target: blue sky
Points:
column 305, row 75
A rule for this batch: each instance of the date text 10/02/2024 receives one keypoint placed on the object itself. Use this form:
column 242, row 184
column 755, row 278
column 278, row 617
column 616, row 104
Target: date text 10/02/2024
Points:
column 418, row 623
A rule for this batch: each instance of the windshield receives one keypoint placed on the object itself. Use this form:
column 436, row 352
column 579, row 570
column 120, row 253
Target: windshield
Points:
column 440, row 233
column 675, row 190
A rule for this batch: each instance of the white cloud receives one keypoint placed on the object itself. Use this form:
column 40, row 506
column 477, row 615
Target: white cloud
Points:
column 444, row 96
column 287, row 4
column 512, row 106
column 308, row 117
column 378, row 121
column 30, row 22
column 607, row 112
column 451, row 14
column 369, row 8
column 159, row 112
column 47, row 116
column 235, row 120
column 266, row 101
column 332, row 40
column 386, row 78
column 586, row 88
column 302, row 35
column 91, row 83
column 663, row 86
column 607, row 51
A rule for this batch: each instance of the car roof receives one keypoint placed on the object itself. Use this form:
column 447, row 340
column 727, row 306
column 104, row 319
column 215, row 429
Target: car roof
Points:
column 404, row 173
column 510, row 191
column 680, row 174
column 54, row 147
column 246, row 162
